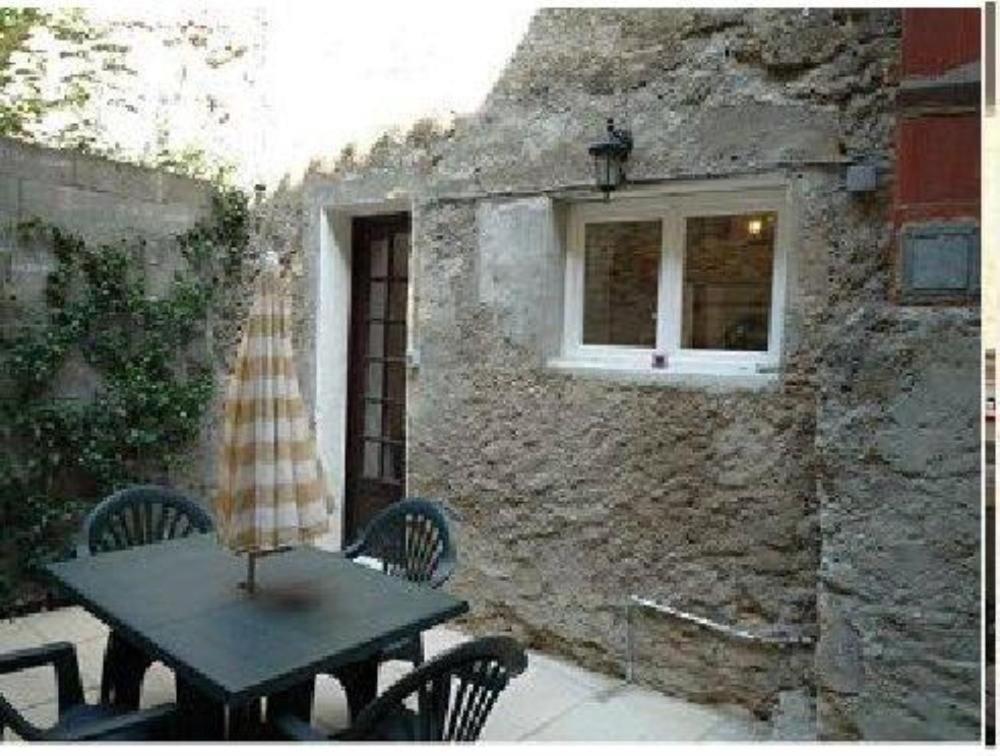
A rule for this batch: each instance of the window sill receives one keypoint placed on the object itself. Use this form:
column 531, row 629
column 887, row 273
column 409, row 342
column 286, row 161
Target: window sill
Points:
column 718, row 378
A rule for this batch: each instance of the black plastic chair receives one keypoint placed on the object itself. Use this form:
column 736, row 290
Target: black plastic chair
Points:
column 134, row 517
column 141, row 515
column 455, row 693
column 78, row 720
column 412, row 540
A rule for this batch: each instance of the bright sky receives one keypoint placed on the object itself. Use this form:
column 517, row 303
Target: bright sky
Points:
column 345, row 72
column 315, row 77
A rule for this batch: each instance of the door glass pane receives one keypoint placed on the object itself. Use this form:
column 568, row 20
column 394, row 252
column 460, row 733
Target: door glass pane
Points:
column 376, row 299
column 380, row 258
column 396, row 342
column 621, row 273
column 373, row 419
column 396, row 382
column 394, row 421
column 376, row 343
column 400, row 254
column 397, row 300
column 728, row 264
column 373, row 385
column 392, row 462
column 371, row 458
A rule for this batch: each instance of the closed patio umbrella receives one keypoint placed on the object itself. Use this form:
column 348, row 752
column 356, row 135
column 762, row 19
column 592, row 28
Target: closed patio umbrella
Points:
column 271, row 490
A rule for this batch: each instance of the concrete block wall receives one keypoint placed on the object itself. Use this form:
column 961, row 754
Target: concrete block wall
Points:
column 101, row 201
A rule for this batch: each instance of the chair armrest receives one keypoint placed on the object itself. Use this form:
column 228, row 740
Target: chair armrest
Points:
column 354, row 549
column 295, row 728
column 157, row 719
column 442, row 572
column 11, row 718
column 39, row 656
column 62, row 656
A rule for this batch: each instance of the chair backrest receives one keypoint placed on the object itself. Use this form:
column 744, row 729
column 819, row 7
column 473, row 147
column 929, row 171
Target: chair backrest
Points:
column 412, row 540
column 455, row 693
column 141, row 515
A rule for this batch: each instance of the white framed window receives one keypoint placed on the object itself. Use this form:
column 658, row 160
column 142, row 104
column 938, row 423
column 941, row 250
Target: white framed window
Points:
column 680, row 282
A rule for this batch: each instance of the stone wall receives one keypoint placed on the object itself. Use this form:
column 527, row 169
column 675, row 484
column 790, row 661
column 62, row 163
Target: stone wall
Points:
column 571, row 491
column 898, row 430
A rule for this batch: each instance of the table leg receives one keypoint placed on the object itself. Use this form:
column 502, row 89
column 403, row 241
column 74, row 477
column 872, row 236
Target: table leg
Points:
column 198, row 716
column 360, row 682
column 245, row 722
column 296, row 701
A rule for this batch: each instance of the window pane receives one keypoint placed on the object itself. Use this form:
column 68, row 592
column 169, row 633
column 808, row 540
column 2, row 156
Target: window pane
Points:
column 373, row 419
column 376, row 333
column 392, row 462
column 394, row 421
column 380, row 258
column 371, row 459
column 728, row 263
column 396, row 340
column 622, row 265
column 400, row 253
column 373, row 386
column 376, row 299
column 396, row 382
column 397, row 300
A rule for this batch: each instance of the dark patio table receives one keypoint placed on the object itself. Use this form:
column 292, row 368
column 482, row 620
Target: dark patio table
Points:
column 179, row 601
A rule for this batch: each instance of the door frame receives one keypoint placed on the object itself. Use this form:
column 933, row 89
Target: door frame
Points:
column 331, row 270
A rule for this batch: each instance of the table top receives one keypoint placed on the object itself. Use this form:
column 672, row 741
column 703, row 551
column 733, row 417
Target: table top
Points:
column 180, row 601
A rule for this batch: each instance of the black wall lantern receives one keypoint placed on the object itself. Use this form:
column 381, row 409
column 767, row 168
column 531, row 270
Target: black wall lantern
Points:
column 609, row 158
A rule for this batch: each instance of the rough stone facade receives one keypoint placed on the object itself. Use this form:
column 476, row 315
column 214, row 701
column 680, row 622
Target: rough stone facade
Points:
column 836, row 499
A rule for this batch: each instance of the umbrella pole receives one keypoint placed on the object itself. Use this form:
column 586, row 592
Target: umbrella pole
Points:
column 251, row 564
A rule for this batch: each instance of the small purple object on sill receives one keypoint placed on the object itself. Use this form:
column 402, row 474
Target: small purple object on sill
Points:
column 659, row 360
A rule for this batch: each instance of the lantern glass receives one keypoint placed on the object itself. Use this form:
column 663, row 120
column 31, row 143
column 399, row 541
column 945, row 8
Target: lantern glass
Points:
column 607, row 171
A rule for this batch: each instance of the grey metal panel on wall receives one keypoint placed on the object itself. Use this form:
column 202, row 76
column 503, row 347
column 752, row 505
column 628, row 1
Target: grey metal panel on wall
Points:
column 940, row 261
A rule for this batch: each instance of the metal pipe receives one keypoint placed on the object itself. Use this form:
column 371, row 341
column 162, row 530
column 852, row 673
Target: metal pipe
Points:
column 635, row 602
column 629, row 644
column 587, row 190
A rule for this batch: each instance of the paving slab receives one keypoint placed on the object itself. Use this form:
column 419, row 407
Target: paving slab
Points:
column 18, row 634
column 329, row 705
column 90, row 657
column 71, row 623
column 42, row 715
column 553, row 700
column 633, row 714
column 534, row 699
column 158, row 686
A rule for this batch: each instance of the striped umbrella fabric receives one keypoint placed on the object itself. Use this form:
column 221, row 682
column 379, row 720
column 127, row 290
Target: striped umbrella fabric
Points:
column 271, row 488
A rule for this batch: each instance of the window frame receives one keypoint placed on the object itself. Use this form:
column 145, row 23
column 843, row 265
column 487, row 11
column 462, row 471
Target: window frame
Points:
column 672, row 208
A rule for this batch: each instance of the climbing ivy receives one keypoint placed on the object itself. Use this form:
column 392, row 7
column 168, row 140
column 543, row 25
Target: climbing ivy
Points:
column 153, row 385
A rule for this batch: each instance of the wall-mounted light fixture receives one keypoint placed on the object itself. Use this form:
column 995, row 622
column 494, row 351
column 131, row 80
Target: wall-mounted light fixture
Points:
column 610, row 156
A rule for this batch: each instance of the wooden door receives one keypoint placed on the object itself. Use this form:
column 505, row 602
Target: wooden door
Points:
column 376, row 402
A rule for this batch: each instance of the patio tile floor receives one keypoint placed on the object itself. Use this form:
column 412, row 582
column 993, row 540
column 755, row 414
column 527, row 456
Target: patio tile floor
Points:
column 552, row 701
